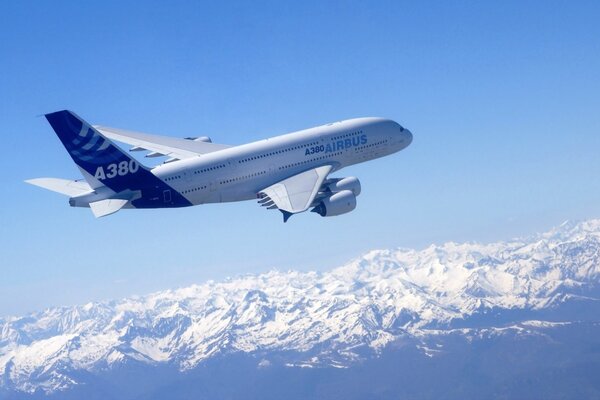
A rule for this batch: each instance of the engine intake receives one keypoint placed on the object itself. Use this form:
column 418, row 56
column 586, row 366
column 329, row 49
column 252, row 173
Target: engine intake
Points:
column 350, row 183
column 337, row 204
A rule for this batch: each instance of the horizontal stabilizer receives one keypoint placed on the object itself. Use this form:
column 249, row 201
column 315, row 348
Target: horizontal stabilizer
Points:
column 62, row 186
column 106, row 207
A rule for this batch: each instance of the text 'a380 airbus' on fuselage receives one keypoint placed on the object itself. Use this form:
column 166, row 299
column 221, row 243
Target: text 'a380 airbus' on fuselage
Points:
column 290, row 172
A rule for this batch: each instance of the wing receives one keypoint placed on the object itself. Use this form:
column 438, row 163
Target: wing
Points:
column 296, row 193
column 161, row 145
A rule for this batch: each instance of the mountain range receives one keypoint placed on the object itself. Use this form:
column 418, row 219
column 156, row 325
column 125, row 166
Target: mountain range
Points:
column 514, row 319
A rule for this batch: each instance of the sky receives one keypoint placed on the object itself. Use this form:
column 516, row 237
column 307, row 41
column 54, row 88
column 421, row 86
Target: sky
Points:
column 502, row 99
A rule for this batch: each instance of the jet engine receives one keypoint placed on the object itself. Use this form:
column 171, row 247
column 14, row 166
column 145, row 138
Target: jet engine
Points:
column 350, row 183
column 337, row 204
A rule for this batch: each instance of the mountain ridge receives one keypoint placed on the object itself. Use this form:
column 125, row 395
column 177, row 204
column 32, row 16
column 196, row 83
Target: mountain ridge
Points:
column 322, row 319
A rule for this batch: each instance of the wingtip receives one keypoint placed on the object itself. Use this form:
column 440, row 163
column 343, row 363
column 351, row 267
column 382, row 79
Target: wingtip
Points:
column 34, row 181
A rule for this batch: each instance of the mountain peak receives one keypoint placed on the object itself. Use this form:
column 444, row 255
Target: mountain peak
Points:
column 328, row 317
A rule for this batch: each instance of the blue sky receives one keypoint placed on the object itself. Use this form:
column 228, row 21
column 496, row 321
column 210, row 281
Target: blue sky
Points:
column 502, row 98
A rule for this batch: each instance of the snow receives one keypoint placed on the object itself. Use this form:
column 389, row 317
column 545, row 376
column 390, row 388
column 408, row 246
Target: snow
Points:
column 370, row 302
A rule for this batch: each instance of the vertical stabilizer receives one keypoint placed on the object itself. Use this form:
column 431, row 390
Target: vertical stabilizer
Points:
column 103, row 164
column 95, row 155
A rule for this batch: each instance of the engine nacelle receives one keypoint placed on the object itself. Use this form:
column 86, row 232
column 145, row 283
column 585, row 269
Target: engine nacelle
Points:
column 337, row 204
column 350, row 183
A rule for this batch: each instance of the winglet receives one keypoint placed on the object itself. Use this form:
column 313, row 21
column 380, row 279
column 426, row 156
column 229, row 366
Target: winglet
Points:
column 286, row 215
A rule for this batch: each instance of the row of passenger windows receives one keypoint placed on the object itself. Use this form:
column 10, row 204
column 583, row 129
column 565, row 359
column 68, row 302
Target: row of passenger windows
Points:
column 312, row 159
column 172, row 178
column 277, row 152
column 371, row 145
column 239, row 178
column 195, row 189
column 273, row 153
column 209, row 169
column 346, row 135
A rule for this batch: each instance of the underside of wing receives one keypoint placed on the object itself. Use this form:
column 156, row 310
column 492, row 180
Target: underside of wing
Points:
column 176, row 148
column 296, row 193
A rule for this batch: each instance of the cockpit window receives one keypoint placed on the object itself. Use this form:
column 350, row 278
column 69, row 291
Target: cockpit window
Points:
column 401, row 128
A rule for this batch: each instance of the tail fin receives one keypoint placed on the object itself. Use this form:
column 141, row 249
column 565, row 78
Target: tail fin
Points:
column 104, row 165
column 98, row 158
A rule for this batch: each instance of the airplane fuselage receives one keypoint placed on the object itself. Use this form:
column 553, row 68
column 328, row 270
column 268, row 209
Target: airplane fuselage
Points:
column 239, row 173
column 290, row 172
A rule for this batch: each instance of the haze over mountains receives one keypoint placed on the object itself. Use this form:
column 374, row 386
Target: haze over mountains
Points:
column 509, row 319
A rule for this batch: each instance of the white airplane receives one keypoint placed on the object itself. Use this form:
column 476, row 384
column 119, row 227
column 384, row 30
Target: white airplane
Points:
column 288, row 172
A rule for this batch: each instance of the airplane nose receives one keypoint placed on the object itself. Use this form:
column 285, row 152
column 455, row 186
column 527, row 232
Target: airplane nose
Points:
column 408, row 137
column 399, row 136
column 403, row 136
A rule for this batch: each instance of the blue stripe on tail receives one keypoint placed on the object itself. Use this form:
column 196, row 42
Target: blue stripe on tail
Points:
column 100, row 158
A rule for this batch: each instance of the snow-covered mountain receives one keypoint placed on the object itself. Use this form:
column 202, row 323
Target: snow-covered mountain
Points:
column 333, row 319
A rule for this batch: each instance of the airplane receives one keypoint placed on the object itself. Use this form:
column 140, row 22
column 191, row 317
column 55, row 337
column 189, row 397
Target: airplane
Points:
column 290, row 173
